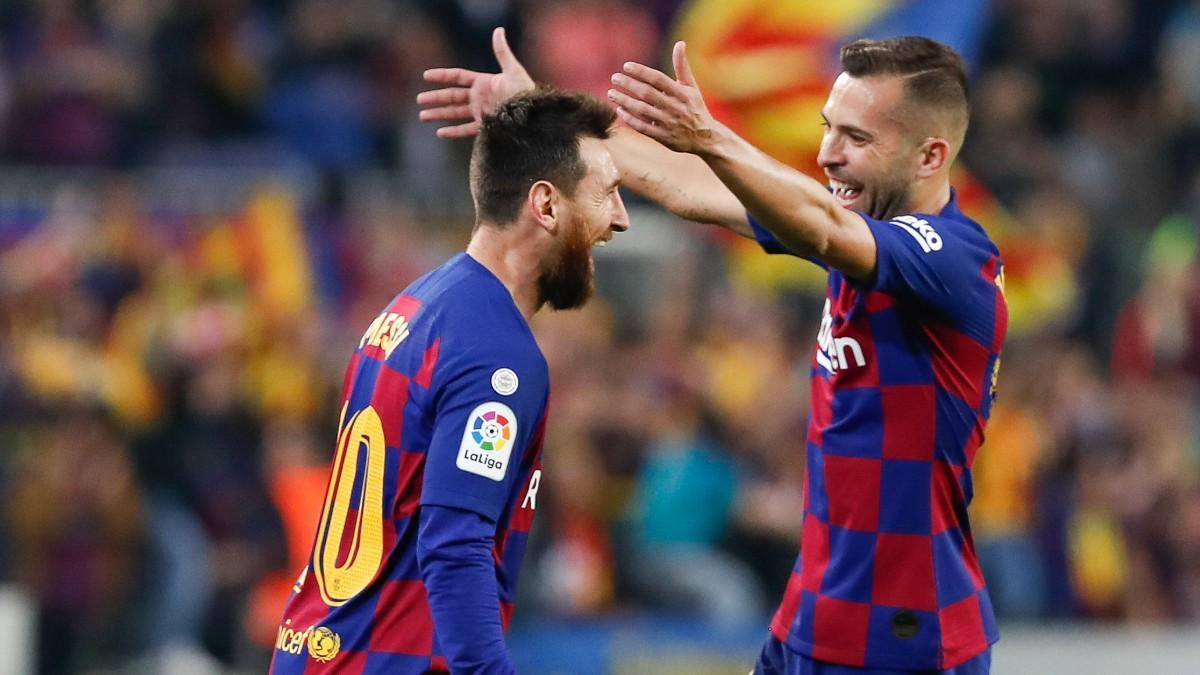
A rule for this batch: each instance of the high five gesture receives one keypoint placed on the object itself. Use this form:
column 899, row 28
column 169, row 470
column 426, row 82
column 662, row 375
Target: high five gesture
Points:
column 671, row 111
column 471, row 94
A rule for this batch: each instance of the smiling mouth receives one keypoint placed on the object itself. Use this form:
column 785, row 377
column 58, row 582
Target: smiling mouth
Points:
column 845, row 193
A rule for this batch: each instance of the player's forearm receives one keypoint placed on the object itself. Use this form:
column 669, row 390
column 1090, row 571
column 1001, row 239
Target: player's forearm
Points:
column 681, row 183
column 798, row 210
column 456, row 563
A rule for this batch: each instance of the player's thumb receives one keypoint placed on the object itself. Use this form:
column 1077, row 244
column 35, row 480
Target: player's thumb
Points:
column 504, row 54
column 683, row 70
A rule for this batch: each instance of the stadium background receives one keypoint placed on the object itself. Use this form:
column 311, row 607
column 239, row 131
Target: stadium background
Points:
column 204, row 202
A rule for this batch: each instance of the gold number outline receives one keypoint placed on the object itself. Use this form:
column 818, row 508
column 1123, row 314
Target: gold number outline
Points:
column 338, row 584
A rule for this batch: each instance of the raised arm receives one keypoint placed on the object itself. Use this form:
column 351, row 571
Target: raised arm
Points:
column 679, row 182
column 798, row 210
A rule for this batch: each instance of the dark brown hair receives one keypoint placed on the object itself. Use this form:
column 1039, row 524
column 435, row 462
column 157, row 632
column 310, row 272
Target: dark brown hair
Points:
column 935, row 75
column 530, row 137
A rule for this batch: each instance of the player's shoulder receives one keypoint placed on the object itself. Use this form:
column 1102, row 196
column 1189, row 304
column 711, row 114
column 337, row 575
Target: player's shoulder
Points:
column 474, row 315
column 951, row 231
column 954, row 219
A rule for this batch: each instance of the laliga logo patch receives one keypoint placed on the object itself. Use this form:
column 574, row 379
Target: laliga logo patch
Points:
column 324, row 644
column 487, row 440
column 505, row 381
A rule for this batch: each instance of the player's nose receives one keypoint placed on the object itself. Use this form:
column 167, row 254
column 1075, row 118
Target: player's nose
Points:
column 830, row 153
column 620, row 216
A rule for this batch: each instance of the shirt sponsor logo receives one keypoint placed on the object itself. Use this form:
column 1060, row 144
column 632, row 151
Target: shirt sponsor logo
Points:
column 837, row 353
column 292, row 641
column 505, row 381
column 386, row 332
column 921, row 230
column 487, row 440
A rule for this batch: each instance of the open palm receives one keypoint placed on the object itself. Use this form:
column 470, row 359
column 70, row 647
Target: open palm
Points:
column 471, row 94
column 669, row 110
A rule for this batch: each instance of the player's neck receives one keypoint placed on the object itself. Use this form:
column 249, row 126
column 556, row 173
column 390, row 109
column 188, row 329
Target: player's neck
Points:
column 932, row 198
column 514, row 259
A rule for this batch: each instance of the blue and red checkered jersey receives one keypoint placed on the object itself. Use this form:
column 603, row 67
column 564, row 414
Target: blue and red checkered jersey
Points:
column 903, row 377
column 444, row 404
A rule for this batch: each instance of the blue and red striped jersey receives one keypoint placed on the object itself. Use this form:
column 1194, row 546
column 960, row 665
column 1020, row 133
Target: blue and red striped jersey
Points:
column 902, row 379
column 444, row 403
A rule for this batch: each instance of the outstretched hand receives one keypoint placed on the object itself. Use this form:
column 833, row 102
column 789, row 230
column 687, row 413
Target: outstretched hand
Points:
column 671, row 111
column 472, row 94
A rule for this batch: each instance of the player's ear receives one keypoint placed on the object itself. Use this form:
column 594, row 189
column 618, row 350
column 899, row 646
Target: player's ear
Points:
column 935, row 153
column 544, row 202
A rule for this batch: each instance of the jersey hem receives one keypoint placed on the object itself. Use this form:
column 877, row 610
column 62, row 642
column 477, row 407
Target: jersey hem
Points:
column 859, row 659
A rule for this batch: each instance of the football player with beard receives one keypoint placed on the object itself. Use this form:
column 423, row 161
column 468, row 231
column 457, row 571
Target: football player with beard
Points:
column 439, row 448
column 905, row 362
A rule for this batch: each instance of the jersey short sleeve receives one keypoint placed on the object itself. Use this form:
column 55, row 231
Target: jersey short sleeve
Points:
column 935, row 260
column 768, row 241
column 488, row 405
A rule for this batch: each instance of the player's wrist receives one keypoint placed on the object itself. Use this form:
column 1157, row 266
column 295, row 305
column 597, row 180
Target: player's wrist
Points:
column 716, row 143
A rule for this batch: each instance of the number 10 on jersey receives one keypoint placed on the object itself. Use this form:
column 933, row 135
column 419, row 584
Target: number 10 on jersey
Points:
column 364, row 550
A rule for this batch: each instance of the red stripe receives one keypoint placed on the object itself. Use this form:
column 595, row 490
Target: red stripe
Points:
column 506, row 610
column 903, row 572
column 973, row 442
column 349, row 377
column 533, row 452
column 989, row 271
column 306, row 608
column 840, row 631
column 877, row 301
column 348, row 537
column 822, row 409
column 947, row 491
column 389, row 399
column 960, row 364
column 814, row 554
column 405, row 305
column 907, row 411
column 424, row 376
column 402, row 623
column 781, row 623
column 963, row 636
column 409, row 478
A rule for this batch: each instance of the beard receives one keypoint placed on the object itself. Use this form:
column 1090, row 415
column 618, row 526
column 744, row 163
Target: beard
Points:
column 566, row 281
column 890, row 197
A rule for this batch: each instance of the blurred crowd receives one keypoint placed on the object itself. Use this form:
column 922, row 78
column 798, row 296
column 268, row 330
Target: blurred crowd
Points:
column 203, row 203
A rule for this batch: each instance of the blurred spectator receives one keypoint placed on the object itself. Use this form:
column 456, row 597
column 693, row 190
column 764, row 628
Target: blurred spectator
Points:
column 1157, row 335
column 570, row 42
column 76, row 519
column 1003, row 509
column 685, row 496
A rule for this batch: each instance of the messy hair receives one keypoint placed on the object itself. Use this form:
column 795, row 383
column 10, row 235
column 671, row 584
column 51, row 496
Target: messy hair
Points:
column 531, row 137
